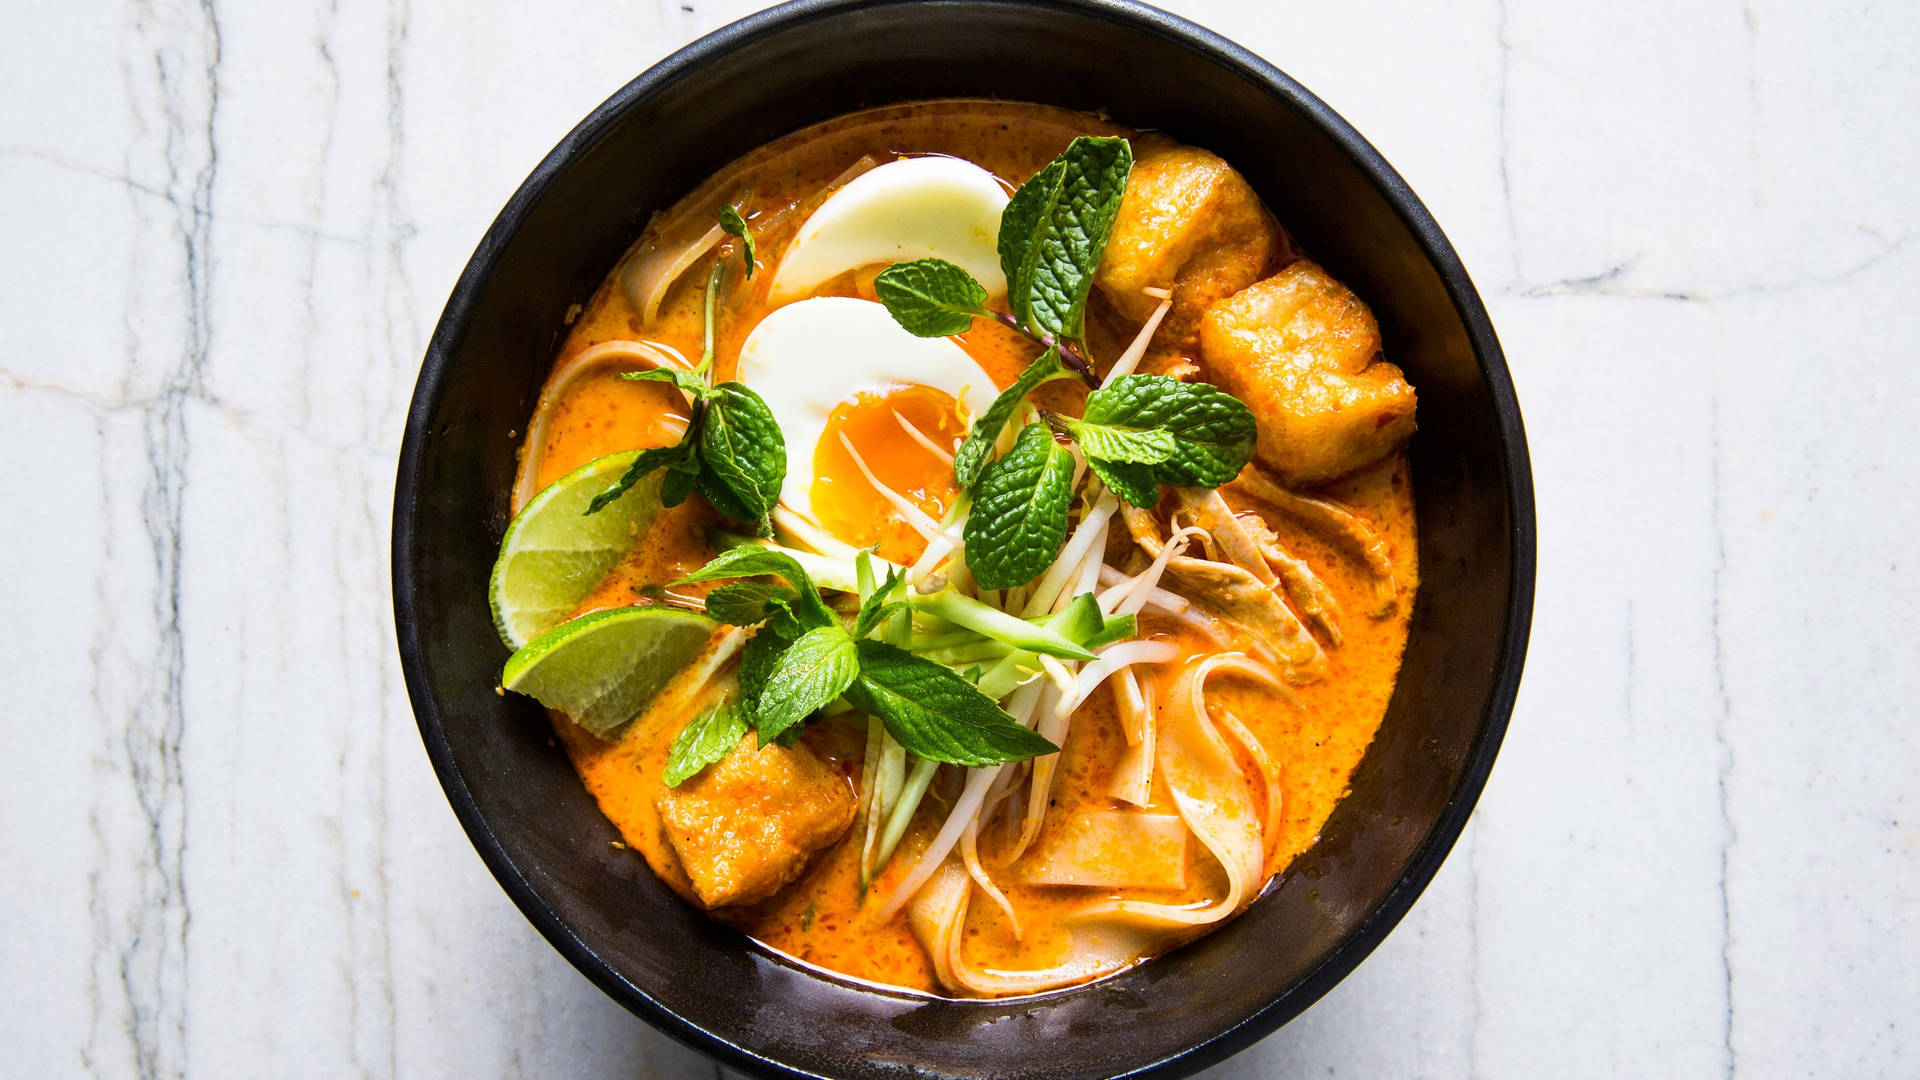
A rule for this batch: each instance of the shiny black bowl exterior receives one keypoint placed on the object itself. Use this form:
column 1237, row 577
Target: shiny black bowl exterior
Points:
column 538, row 829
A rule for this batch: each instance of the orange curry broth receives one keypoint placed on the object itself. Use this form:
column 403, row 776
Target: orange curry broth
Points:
column 820, row 918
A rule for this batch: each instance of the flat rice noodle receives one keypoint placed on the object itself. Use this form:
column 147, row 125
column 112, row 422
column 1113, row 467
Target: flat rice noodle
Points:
column 938, row 919
column 1211, row 792
column 654, row 272
column 1269, row 773
column 1119, row 849
column 1132, row 780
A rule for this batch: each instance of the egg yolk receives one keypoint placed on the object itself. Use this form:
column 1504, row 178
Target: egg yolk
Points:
column 847, row 505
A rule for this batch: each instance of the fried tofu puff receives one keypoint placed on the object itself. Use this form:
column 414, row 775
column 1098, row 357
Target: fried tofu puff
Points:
column 1190, row 224
column 747, row 826
column 1304, row 353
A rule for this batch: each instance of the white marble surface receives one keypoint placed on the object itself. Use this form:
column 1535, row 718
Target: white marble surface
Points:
column 229, row 230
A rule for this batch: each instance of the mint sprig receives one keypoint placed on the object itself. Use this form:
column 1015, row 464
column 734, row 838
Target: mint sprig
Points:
column 750, row 603
column 817, row 668
column 1134, row 483
column 678, row 459
column 1114, row 442
column 1019, row 519
column 1212, row 431
column 706, row 739
column 936, row 714
column 931, row 297
column 1055, row 229
column 759, row 659
column 750, row 560
column 977, row 449
column 792, row 669
column 732, row 452
column 743, row 456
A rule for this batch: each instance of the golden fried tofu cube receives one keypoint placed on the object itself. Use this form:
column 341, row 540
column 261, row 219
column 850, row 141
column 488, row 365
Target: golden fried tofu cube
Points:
column 747, row 825
column 1304, row 353
column 1189, row 223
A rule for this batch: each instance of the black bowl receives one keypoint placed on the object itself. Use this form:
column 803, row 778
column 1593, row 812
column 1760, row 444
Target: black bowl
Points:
column 541, row 833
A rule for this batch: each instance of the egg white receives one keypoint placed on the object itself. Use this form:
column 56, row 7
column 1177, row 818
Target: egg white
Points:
column 914, row 208
column 806, row 358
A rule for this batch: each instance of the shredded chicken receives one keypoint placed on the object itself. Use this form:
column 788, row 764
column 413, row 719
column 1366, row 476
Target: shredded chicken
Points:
column 1249, row 544
column 1240, row 597
column 1337, row 521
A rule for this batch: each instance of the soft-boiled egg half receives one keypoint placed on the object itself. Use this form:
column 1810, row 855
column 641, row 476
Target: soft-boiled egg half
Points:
column 836, row 366
column 914, row 208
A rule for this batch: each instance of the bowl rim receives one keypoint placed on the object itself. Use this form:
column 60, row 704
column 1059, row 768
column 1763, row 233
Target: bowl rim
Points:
column 1179, row 32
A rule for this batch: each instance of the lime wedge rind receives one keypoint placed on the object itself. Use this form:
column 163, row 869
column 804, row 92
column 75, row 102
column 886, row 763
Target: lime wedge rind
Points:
column 554, row 553
column 602, row 669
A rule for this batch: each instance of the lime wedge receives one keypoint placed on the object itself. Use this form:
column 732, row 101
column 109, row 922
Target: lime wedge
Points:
column 554, row 553
column 602, row 669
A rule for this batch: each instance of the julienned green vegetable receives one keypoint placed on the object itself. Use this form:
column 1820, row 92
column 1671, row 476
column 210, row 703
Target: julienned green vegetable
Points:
column 1138, row 433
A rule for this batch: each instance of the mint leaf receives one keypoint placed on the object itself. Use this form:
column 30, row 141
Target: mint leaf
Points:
column 692, row 385
column 812, row 672
column 743, row 456
column 1148, row 446
column 706, row 739
column 1134, row 483
column 750, row 560
column 971, row 459
column 731, row 221
column 1019, row 519
column 935, row 713
column 1213, row 431
column 750, row 603
column 675, row 457
column 931, row 297
column 1055, row 229
column 757, row 661
column 679, row 482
